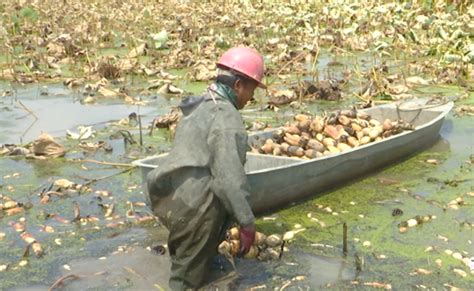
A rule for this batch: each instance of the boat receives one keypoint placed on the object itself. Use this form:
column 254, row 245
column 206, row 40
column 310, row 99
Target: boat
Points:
column 278, row 182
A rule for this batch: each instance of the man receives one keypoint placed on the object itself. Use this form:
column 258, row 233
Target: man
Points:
column 201, row 186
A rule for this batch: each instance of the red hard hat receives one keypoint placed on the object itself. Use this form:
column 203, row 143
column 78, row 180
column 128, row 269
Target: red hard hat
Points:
column 245, row 61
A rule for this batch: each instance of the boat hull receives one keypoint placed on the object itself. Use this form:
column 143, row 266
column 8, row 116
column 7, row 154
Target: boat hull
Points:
column 278, row 182
column 281, row 187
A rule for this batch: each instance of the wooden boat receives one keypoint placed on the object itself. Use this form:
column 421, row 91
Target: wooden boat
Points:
column 279, row 181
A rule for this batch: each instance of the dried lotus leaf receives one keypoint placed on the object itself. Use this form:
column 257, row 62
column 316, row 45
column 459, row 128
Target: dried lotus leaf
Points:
column 64, row 183
column 45, row 145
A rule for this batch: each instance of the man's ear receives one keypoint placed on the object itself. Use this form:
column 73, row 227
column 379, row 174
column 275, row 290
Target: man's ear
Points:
column 238, row 86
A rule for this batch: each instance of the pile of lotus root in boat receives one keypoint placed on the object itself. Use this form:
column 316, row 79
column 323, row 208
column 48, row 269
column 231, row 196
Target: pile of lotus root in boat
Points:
column 264, row 247
column 311, row 137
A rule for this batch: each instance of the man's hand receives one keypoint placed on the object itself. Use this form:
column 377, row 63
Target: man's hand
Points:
column 247, row 237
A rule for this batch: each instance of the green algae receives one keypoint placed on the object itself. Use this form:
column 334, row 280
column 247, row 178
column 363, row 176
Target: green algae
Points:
column 373, row 221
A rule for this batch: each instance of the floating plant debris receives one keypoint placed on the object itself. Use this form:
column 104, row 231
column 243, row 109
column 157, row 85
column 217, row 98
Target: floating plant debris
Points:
column 412, row 222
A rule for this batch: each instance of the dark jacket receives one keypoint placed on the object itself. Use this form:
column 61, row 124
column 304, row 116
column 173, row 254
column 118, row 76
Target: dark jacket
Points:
column 210, row 145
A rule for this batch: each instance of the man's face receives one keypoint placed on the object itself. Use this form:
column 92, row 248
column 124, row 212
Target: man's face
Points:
column 244, row 92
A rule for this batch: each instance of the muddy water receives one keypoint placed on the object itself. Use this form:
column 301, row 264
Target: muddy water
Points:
column 100, row 256
column 54, row 110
